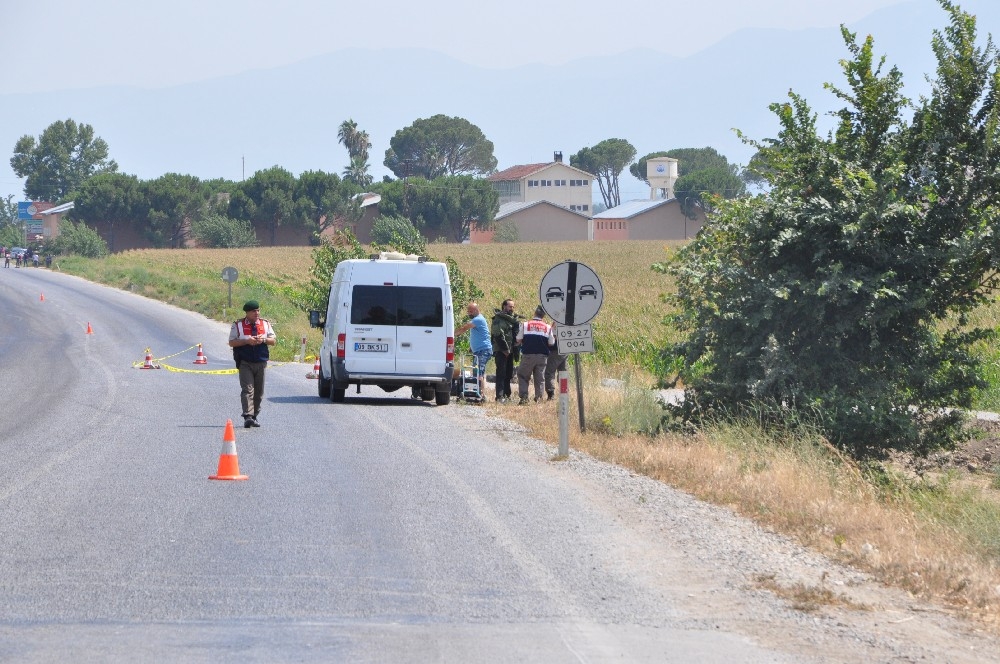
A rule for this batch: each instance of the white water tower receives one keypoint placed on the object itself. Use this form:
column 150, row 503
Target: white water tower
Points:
column 662, row 175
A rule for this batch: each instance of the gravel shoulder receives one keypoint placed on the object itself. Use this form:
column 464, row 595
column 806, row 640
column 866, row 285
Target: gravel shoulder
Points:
column 726, row 571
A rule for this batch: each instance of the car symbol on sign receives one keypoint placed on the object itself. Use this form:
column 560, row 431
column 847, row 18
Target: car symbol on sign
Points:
column 554, row 292
column 588, row 290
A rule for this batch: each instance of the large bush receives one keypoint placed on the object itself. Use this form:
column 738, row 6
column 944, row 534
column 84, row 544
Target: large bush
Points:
column 841, row 294
column 79, row 239
column 393, row 230
column 219, row 231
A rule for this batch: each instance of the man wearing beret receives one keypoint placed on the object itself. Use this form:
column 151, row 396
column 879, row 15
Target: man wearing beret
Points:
column 250, row 339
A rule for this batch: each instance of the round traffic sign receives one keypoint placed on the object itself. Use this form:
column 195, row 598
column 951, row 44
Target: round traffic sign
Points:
column 230, row 274
column 571, row 293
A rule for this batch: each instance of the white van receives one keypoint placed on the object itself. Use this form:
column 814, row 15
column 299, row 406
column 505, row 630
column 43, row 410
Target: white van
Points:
column 389, row 322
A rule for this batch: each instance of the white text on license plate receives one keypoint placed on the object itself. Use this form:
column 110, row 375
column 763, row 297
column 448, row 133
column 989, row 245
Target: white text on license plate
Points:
column 367, row 347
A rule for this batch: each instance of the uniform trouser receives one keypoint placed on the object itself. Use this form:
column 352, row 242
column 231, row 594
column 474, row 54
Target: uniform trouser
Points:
column 531, row 367
column 251, row 387
column 505, row 373
column 553, row 365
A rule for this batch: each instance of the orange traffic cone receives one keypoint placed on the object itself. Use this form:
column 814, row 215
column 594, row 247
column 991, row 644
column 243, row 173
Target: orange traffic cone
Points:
column 41, row 297
column 229, row 464
column 90, row 330
column 315, row 371
column 200, row 359
column 148, row 363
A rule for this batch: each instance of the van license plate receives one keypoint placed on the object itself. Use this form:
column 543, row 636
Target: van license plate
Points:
column 360, row 347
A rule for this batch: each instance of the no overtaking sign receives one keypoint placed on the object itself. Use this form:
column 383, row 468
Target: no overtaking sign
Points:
column 571, row 293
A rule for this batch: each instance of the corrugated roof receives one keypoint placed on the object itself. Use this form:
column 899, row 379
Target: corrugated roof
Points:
column 514, row 207
column 629, row 209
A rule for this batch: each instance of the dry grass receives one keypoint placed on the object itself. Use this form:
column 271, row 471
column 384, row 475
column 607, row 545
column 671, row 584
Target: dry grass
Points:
column 802, row 488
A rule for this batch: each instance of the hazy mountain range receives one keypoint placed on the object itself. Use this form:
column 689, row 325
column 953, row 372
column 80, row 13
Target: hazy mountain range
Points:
column 288, row 116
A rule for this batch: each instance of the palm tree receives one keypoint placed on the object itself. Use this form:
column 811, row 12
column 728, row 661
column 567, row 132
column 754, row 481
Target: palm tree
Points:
column 356, row 142
column 357, row 172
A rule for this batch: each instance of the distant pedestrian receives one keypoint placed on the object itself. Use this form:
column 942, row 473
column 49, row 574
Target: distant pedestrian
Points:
column 536, row 340
column 503, row 334
column 479, row 341
column 251, row 339
column 6, row 259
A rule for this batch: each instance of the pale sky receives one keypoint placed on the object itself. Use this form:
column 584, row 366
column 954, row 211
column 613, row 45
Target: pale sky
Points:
column 61, row 44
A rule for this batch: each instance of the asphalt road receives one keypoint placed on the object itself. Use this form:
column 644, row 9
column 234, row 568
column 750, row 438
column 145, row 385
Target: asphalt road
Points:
column 382, row 529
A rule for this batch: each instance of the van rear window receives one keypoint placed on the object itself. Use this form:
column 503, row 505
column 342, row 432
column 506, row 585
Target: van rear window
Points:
column 397, row 305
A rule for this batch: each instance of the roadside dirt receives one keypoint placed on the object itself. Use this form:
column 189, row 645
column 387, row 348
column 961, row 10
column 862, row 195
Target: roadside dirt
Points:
column 977, row 459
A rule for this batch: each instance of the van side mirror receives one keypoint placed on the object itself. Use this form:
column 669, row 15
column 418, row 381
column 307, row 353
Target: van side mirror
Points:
column 315, row 320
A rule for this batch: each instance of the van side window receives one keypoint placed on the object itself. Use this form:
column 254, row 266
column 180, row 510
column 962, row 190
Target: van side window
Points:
column 397, row 305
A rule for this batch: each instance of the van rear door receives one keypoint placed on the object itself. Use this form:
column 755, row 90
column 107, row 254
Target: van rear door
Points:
column 370, row 344
column 421, row 336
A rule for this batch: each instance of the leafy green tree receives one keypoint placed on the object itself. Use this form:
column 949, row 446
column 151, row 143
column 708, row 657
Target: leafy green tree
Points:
column 698, row 189
column 8, row 210
column 606, row 161
column 267, row 197
column 60, row 160
column 842, row 294
column 448, row 206
column 111, row 199
column 78, row 239
column 324, row 198
column 440, row 145
column 174, row 202
column 220, row 231
column 391, row 230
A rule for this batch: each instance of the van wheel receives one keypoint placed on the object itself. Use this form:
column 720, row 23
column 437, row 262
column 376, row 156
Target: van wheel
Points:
column 323, row 384
column 337, row 394
column 443, row 398
column 427, row 393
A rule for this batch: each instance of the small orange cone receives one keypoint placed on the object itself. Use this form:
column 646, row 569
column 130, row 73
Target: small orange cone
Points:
column 229, row 464
column 200, row 359
column 41, row 297
column 90, row 330
column 148, row 363
column 315, row 371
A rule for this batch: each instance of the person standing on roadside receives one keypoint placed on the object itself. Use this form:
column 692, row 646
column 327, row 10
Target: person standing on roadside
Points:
column 554, row 363
column 251, row 339
column 536, row 340
column 479, row 342
column 503, row 333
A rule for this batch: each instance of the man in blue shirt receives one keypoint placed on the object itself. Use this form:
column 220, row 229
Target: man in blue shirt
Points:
column 479, row 341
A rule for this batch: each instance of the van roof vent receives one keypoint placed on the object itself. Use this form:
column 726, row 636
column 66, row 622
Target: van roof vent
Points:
column 398, row 256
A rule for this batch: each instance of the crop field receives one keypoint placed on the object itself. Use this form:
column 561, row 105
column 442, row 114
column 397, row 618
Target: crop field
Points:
column 629, row 330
